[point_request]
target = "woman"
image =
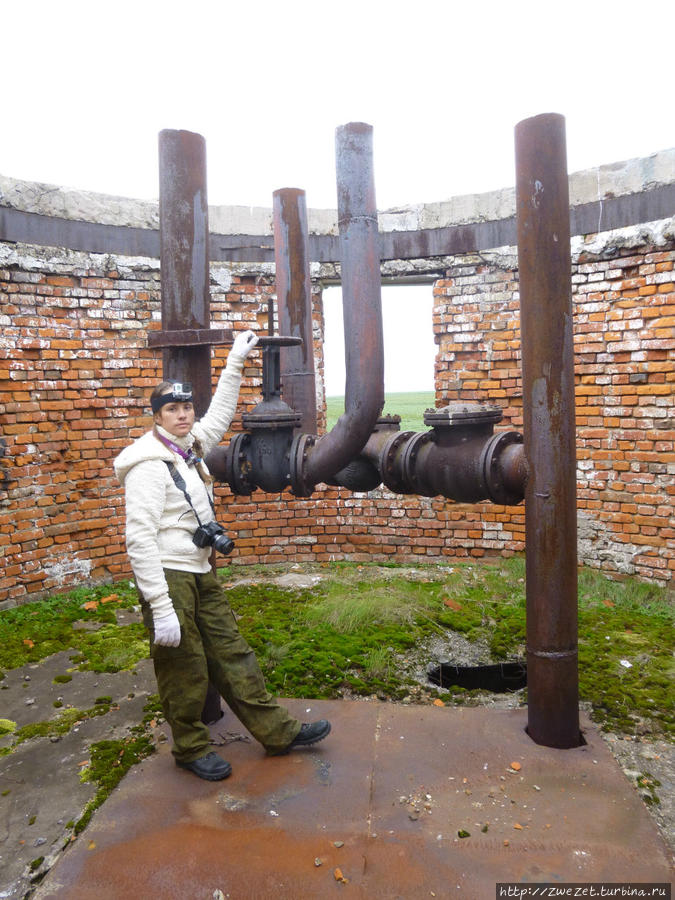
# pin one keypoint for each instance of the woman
(194, 635)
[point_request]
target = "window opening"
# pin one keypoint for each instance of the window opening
(409, 353)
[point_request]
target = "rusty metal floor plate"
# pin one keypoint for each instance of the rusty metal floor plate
(381, 803)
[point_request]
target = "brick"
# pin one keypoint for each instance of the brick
(96, 359)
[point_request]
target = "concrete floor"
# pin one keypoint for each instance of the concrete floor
(374, 811)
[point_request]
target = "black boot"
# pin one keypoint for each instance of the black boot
(211, 767)
(310, 734)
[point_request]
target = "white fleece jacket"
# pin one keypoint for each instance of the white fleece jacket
(159, 521)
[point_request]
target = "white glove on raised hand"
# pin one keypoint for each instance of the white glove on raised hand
(167, 630)
(244, 343)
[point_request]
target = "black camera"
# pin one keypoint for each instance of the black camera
(213, 535)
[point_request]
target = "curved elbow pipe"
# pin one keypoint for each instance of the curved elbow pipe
(319, 460)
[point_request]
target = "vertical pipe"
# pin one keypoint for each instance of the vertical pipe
(184, 267)
(542, 212)
(361, 304)
(294, 303)
(184, 257)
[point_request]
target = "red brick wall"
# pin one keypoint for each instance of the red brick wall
(624, 326)
(75, 372)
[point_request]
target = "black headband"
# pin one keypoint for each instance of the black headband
(179, 393)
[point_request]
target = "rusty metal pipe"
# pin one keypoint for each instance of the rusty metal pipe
(184, 258)
(362, 308)
(542, 214)
(184, 268)
(294, 303)
(459, 458)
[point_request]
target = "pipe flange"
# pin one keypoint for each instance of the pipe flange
(492, 471)
(462, 414)
(271, 414)
(238, 466)
(299, 452)
(409, 460)
(392, 475)
(388, 423)
(272, 422)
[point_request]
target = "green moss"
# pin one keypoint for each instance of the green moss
(62, 724)
(47, 626)
(36, 863)
(346, 634)
(626, 666)
(7, 726)
(110, 761)
(152, 708)
(32, 819)
(62, 679)
(342, 635)
(113, 648)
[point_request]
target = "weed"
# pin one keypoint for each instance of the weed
(378, 663)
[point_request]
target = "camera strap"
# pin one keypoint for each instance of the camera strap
(179, 481)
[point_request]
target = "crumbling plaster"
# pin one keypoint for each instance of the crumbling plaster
(591, 185)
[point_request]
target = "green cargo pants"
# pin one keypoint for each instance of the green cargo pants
(211, 647)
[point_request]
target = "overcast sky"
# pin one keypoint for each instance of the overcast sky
(87, 86)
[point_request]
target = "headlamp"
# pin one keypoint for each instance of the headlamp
(181, 392)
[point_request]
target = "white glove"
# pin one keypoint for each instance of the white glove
(167, 630)
(244, 343)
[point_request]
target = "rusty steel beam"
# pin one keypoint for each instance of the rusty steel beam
(294, 303)
(189, 337)
(184, 258)
(94, 237)
(361, 304)
(542, 211)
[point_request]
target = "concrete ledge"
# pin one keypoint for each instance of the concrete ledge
(613, 180)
